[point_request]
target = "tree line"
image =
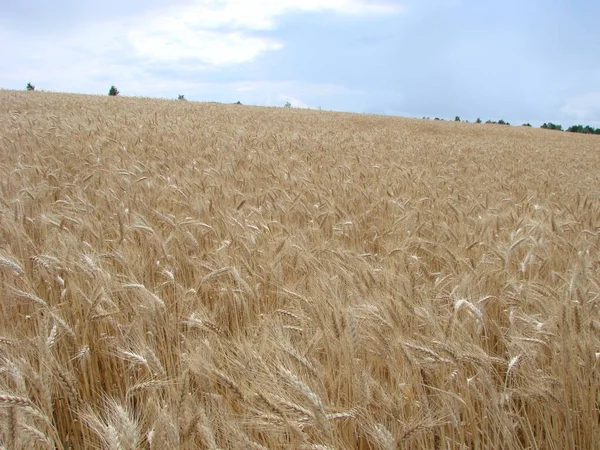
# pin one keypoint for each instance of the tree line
(587, 129)
(572, 129)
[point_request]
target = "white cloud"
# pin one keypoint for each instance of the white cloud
(584, 107)
(190, 36)
(223, 32)
(150, 53)
(297, 88)
(212, 48)
(90, 60)
(262, 14)
(295, 102)
(299, 94)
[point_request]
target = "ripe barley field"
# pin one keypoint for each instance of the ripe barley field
(207, 276)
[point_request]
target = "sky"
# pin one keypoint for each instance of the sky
(522, 61)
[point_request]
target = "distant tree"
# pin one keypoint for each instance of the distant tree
(238, 103)
(502, 122)
(437, 118)
(551, 126)
(478, 120)
(181, 97)
(30, 87)
(457, 119)
(489, 121)
(287, 105)
(526, 125)
(113, 92)
(585, 130)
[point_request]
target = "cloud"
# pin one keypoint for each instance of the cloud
(262, 14)
(583, 107)
(299, 94)
(189, 37)
(225, 32)
(213, 49)
(295, 102)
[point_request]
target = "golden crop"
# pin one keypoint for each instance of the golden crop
(187, 275)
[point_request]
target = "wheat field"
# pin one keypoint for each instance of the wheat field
(206, 276)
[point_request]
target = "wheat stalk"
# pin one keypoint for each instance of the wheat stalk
(9, 264)
(359, 281)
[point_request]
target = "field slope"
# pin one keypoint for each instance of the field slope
(187, 275)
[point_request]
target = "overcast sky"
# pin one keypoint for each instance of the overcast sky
(523, 61)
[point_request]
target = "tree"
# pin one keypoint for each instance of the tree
(181, 97)
(526, 125)
(575, 129)
(478, 120)
(588, 130)
(113, 92)
(585, 130)
(287, 105)
(457, 119)
(551, 126)
(30, 87)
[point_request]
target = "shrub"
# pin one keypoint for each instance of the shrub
(526, 125)
(113, 92)
(478, 120)
(30, 87)
(287, 105)
(457, 119)
(181, 97)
